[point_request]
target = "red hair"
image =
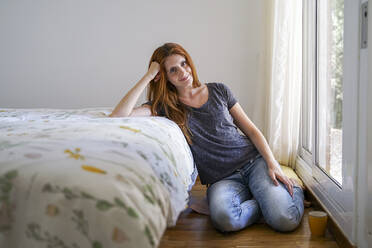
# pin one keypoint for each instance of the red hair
(163, 94)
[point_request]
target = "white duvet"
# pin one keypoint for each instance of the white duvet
(76, 178)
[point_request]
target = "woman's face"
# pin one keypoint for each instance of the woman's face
(178, 71)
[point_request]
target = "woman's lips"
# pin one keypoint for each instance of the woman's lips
(185, 78)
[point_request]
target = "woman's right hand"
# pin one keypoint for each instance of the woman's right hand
(154, 70)
(126, 106)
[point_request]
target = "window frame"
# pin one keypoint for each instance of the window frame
(339, 201)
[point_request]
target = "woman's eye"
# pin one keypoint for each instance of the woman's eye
(172, 70)
(183, 63)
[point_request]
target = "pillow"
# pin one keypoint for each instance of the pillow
(289, 172)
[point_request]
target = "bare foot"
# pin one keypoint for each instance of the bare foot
(307, 204)
(200, 205)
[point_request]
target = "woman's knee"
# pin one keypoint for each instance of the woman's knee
(235, 217)
(285, 220)
(230, 206)
(224, 220)
(281, 211)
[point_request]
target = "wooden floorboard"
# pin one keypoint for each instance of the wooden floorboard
(195, 230)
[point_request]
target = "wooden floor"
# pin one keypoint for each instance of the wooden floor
(196, 230)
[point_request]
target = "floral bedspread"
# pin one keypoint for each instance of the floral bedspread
(76, 178)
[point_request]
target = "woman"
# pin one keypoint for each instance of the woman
(244, 177)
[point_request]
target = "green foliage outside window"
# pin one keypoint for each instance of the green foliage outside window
(337, 22)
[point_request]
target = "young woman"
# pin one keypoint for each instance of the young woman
(245, 181)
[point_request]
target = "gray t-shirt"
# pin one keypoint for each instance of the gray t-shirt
(217, 146)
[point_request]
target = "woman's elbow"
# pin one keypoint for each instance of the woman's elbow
(113, 114)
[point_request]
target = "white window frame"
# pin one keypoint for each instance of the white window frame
(338, 201)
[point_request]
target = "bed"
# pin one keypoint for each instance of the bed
(76, 178)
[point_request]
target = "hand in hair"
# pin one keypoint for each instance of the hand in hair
(153, 71)
(125, 107)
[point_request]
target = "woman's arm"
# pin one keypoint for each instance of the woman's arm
(255, 135)
(126, 105)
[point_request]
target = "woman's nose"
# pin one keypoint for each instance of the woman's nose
(182, 72)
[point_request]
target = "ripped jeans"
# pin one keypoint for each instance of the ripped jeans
(240, 200)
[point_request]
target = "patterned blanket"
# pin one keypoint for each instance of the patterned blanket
(76, 178)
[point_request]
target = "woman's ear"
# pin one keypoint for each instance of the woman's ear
(157, 77)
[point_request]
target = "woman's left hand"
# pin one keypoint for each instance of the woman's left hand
(276, 173)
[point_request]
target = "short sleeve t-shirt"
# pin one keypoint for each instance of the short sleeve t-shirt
(217, 146)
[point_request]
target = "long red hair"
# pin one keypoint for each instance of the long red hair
(163, 94)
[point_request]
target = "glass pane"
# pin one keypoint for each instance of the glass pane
(330, 71)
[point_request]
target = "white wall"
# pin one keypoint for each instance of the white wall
(88, 53)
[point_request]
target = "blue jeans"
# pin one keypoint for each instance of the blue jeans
(238, 200)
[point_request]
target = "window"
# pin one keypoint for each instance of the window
(323, 87)
(326, 160)
(330, 27)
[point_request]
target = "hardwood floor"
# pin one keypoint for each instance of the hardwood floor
(196, 230)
